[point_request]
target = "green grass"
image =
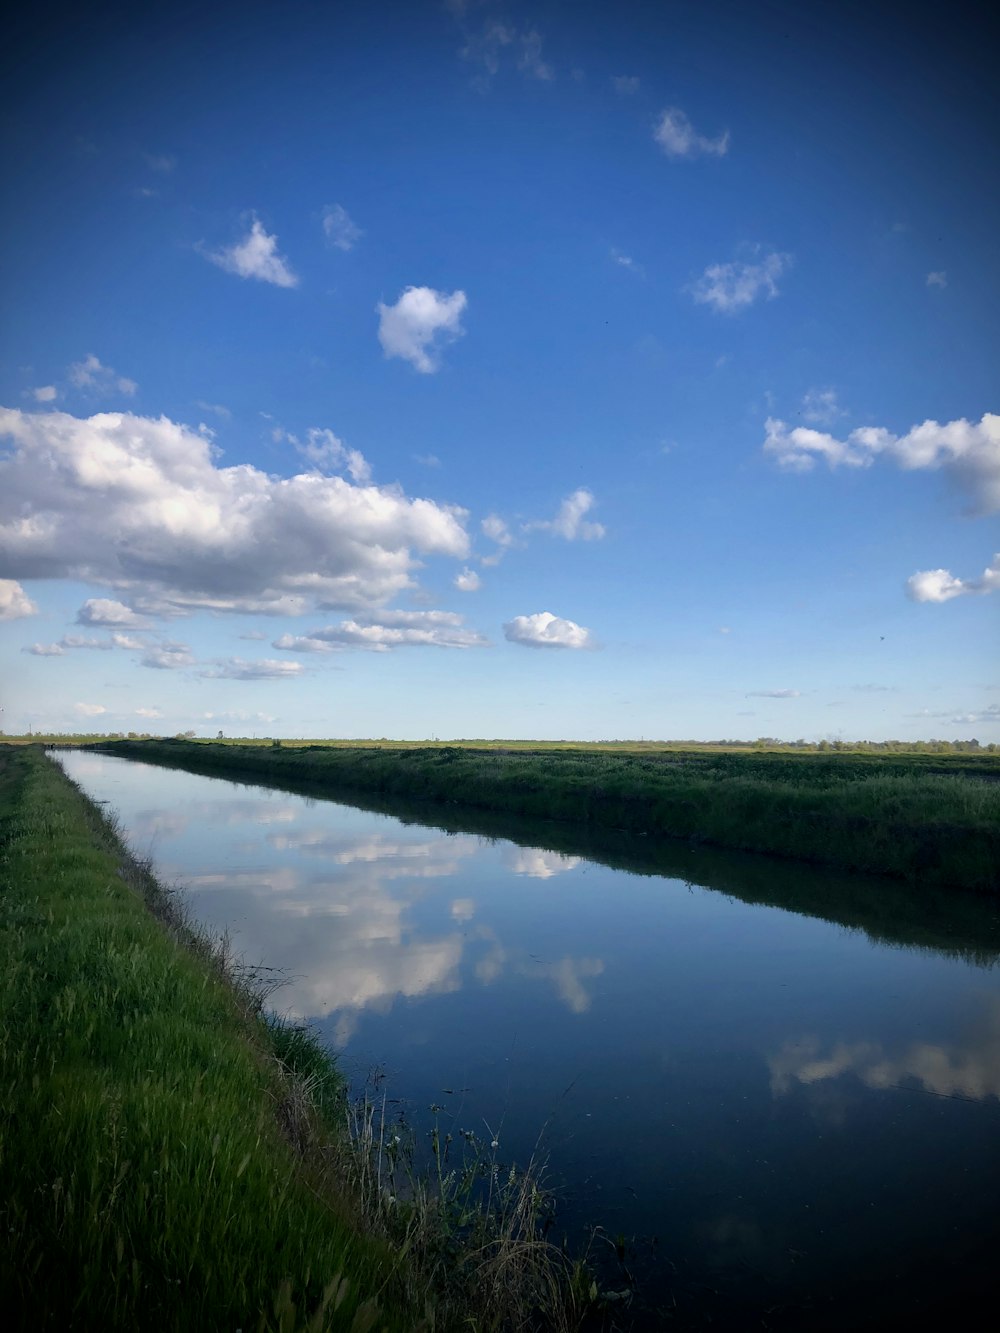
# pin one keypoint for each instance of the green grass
(931, 819)
(149, 1176)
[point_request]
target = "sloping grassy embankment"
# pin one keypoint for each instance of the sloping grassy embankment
(888, 816)
(149, 1176)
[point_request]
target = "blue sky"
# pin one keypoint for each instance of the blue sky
(479, 369)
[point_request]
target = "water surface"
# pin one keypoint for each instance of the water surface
(794, 1122)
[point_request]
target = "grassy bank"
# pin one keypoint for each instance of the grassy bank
(171, 1159)
(921, 818)
(148, 1177)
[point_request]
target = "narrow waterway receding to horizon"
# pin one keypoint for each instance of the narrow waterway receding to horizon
(792, 1123)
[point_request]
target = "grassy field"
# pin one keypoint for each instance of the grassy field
(171, 1158)
(929, 818)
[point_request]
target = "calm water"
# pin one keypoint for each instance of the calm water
(797, 1122)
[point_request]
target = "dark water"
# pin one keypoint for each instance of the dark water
(793, 1121)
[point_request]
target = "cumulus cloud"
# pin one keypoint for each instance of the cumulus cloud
(939, 279)
(256, 256)
(265, 668)
(191, 534)
(90, 710)
(467, 580)
(167, 656)
(339, 228)
(732, 287)
(966, 451)
(569, 521)
(679, 139)
(387, 630)
(45, 393)
(148, 712)
(940, 585)
(45, 650)
(774, 694)
(417, 325)
(14, 601)
(544, 630)
(91, 375)
(108, 613)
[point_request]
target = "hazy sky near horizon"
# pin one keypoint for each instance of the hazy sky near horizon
(482, 369)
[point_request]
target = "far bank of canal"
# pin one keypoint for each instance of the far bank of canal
(789, 1120)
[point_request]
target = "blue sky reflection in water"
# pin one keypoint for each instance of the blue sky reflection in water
(794, 1111)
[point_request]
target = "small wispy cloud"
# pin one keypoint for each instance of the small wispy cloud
(774, 694)
(339, 228)
(569, 522)
(496, 42)
(939, 279)
(45, 393)
(627, 262)
(91, 375)
(625, 84)
(679, 139)
(167, 657)
(255, 256)
(265, 668)
(164, 163)
(45, 650)
(217, 409)
(732, 287)
(89, 710)
(820, 406)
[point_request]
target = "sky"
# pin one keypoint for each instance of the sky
(473, 369)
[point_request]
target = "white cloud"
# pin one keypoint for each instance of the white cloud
(626, 261)
(467, 580)
(330, 454)
(117, 640)
(569, 521)
(732, 287)
(427, 460)
(418, 323)
(544, 630)
(678, 137)
(167, 656)
(339, 228)
(110, 614)
(219, 409)
(45, 650)
(148, 712)
(626, 84)
(90, 710)
(967, 452)
(14, 601)
(256, 256)
(488, 47)
(161, 162)
(46, 393)
(820, 406)
(387, 630)
(494, 527)
(265, 668)
(92, 375)
(530, 60)
(190, 534)
(774, 694)
(939, 279)
(940, 585)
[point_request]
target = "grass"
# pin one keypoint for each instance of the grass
(931, 819)
(168, 1157)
